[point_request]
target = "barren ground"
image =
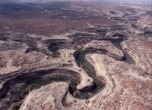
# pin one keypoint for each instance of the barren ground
(75, 56)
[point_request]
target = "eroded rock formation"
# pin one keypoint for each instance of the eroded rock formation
(95, 67)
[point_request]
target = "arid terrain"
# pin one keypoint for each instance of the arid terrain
(75, 56)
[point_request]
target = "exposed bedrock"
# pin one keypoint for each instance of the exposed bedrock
(17, 88)
(75, 55)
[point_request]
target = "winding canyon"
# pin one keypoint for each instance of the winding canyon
(78, 56)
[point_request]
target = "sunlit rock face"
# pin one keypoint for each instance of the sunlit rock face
(75, 56)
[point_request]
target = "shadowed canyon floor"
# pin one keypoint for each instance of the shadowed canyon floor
(75, 56)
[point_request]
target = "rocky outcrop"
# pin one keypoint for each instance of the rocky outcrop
(97, 67)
